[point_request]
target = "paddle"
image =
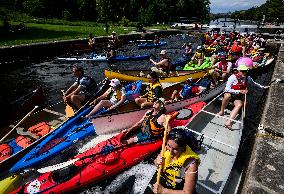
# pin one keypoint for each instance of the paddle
(27, 115)
(169, 117)
(68, 109)
(104, 151)
(245, 102)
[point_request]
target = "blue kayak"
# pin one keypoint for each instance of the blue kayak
(67, 134)
(103, 58)
(151, 45)
(180, 62)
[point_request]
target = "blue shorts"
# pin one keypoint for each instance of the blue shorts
(143, 137)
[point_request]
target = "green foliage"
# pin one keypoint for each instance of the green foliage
(271, 10)
(124, 21)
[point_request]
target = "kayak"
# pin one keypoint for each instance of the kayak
(68, 133)
(151, 45)
(103, 58)
(8, 184)
(133, 75)
(106, 159)
(190, 66)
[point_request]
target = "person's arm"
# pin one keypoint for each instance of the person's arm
(229, 85)
(162, 62)
(250, 80)
(136, 125)
(229, 68)
(103, 96)
(121, 101)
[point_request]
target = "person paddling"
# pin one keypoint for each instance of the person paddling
(164, 65)
(179, 166)
(236, 88)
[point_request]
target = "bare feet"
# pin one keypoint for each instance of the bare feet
(228, 126)
(220, 113)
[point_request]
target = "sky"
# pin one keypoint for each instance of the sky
(223, 6)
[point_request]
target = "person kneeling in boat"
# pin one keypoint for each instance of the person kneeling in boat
(179, 165)
(151, 125)
(79, 91)
(116, 94)
(188, 90)
(155, 91)
(235, 89)
(198, 56)
(162, 67)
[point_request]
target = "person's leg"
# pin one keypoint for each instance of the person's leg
(238, 105)
(130, 140)
(140, 101)
(225, 101)
(224, 76)
(77, 100)
(100, 105)
(174, 95)
(147, 104)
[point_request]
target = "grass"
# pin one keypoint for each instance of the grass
(40, 32)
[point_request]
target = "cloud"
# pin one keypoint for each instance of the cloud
(219, 6)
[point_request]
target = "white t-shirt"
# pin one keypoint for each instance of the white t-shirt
(113, 98)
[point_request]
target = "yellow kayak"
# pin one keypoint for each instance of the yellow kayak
(9, 184)
(134, 75)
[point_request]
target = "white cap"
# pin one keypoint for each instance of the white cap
(163, 52)
(199, 47)
(113, 32)
(114, 82)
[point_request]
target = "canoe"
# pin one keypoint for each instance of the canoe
(103, 58)
(76, 129)
(20, 107)
(9, 184)
(151, 45)
(219, 149)
(133, 75)
(193, 67)
(106, 159)
(52, 117)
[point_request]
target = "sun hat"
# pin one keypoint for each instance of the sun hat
(243, 68)
(114, 82)
(163, 52)
(113, 32)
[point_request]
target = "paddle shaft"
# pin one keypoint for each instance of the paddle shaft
(164, 145)
(27, 115)
(245, 102)
(69, 110)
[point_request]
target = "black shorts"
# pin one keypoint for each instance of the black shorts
(237, 97)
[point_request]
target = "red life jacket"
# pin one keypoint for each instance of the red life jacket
(167, 68)
(242, 83)
(222, 66)
(236, 48)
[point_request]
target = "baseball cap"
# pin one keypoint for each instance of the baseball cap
(163, 52)
(114, 82)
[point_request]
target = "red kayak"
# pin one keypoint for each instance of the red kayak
(106, 159)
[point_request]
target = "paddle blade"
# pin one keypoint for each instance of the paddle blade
(69, 111)
(57, 166)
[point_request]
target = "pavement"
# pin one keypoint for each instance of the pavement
(265, 173)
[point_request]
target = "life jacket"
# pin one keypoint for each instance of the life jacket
(215, 36)
(257, 58)
(222, 66)
(151, 92)
(199, 55)
(222, 37)
(115, 94)
(23, 141)
(150, 125)
(186, 91)
(237, 49)
(5, 151)
(171, 173)
(242, 83)
(195, 89)
(88, 82)
(40, 129)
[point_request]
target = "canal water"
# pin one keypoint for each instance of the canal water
(53, 76)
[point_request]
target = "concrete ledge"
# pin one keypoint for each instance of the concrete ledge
(265, 171)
